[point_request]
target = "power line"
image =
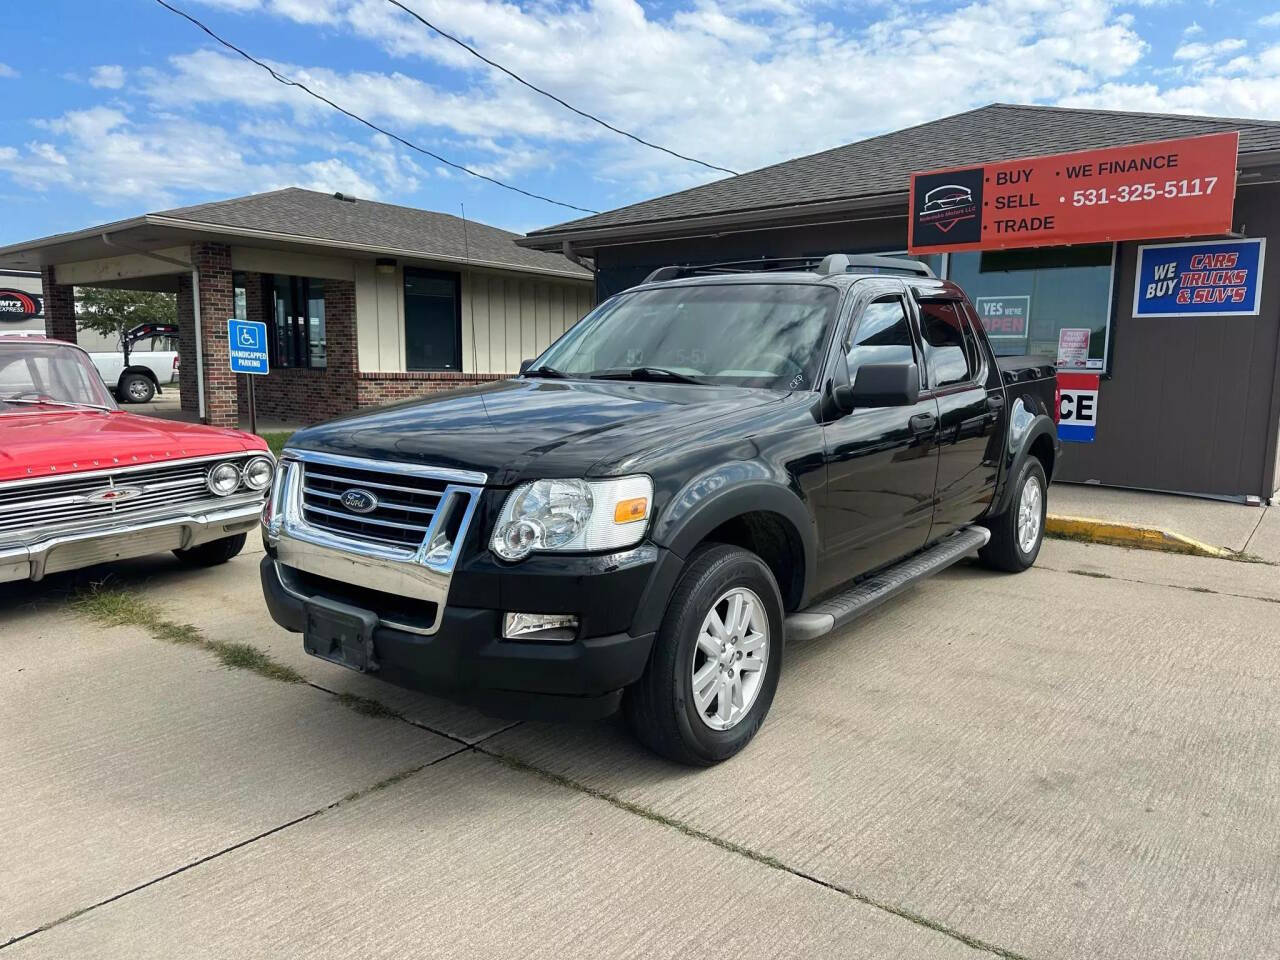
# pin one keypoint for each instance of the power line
(568, 106)
(280, 78)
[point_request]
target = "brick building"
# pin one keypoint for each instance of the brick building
(365, 302)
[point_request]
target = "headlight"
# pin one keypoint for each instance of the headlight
(223, 479)
(573, 515)
(257, 473)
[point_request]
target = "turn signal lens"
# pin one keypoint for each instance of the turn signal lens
(629, 511)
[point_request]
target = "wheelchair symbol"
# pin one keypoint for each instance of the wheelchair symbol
(248, 337)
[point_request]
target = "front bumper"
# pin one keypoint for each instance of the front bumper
(466, 658)
(73, 549)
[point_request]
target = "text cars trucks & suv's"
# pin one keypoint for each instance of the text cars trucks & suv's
(706, 465)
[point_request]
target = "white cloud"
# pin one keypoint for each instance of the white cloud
(1192, 29)
(1270, 20)
(102, 153)
(7, 71)
(1202, 51)
(109, 75)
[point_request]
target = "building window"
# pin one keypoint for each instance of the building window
(432, 320)
(1024, 298)
(295, 316)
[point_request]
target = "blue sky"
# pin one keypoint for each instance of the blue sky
(118, 107)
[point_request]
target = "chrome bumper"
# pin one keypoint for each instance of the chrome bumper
(73, 549)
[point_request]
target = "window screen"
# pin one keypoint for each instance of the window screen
(951, 351)
(883, 335)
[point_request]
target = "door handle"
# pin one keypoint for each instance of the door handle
(923, 423)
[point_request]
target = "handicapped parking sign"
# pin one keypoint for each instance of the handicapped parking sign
(247, 345)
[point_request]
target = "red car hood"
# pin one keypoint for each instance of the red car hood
(68, 441)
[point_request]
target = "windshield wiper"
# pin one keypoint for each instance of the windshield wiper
(652, 374)
(52, 403)
(551, 373)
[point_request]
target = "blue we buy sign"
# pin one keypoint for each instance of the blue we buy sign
(1204, 278)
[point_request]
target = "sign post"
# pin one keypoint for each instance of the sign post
(247, 348)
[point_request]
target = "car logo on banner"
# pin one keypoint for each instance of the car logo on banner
(359, 501)
(112, 495)
(945, 207)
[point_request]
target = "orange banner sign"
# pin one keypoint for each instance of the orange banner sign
(1146, 191)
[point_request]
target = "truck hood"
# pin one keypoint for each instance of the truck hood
(515, 429)
(67, 441)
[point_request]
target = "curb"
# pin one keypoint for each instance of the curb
(1129, 535)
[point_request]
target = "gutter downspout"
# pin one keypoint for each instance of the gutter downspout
(195, 307)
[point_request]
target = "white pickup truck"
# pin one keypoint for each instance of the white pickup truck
(148, 369)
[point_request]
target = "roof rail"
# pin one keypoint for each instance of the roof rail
(846, 263)
(829, 265)
(758, 265)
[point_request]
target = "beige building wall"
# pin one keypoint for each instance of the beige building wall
(505, 318)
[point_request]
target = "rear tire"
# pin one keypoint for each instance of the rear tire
(135, 388)
(212, 553)
(728, 593)
(1016, 534)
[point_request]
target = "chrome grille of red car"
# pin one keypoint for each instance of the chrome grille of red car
(52, 503)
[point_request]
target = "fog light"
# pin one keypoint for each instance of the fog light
(558, 627)
(223, 479)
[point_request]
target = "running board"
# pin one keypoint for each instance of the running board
(837, 611)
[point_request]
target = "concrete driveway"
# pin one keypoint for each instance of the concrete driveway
(1081, 761)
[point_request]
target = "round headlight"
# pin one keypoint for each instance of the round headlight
(223, 479)
(541, 515)
(257, 473)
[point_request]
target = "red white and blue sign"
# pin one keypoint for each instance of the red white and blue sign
(1077, 405)
(1202, 278)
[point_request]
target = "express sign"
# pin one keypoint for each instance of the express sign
(17, 305)
(1171, 188)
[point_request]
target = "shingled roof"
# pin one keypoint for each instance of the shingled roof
(879, 167)
(308, 219)
(322, 216)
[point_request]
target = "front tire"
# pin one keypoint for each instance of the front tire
(135, 388)
(212, 553)
(715, 663)
(1016, 535)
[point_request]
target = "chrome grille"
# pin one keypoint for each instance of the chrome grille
(405, 503)
(78, 500)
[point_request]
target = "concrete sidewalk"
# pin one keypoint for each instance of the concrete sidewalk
(1165, 521)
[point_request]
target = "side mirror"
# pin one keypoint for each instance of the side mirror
(526, 364)
(881, 385)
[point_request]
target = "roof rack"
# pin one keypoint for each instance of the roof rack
(827, 266)
(854, 263)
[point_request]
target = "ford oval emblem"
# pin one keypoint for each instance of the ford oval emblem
(359, 501)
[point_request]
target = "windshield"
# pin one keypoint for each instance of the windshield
(743, 334)
(38, 375)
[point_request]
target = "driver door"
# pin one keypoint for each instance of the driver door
(882, 462)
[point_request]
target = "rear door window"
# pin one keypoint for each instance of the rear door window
(950, 349)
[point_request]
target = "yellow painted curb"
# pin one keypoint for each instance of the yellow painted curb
(1128, 535)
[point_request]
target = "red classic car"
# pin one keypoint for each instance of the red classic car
(82, 482)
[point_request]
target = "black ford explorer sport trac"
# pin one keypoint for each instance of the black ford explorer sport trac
(705, 467)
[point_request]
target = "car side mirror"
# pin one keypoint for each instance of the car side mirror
(526, 364)
(880, 385)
